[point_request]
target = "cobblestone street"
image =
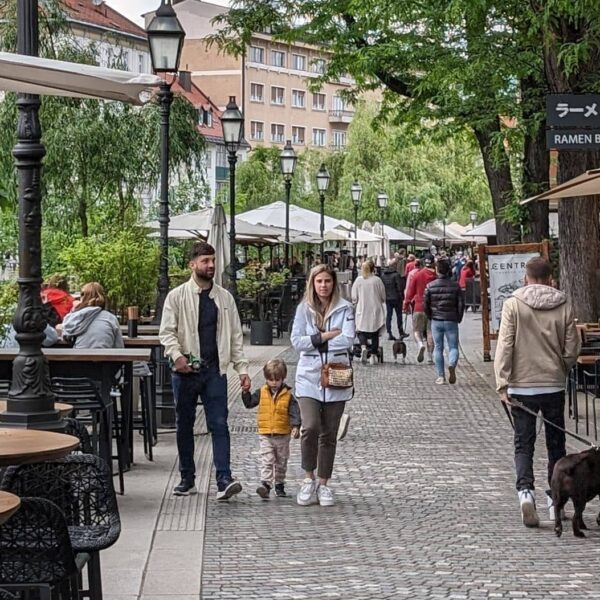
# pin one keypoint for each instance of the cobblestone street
(426, 506)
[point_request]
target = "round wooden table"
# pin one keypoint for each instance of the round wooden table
(19, 446)
(9, 504)
(64, 409)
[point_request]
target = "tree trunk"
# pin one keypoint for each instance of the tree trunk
(497, 170)
(579, 232)
(82, 214)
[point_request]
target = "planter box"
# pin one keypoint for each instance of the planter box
(261, 333)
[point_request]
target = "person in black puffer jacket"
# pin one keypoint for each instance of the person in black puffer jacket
(394, 297)
(444, 307)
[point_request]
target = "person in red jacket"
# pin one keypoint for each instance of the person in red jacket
(55, 294)
(467, 272)
(414, 299)
(411, 263)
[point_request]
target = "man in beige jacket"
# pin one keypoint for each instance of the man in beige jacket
(537, 345)
(202, 336)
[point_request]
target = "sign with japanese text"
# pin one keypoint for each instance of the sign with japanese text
(573, 110)
(573, 139)
(506, 272)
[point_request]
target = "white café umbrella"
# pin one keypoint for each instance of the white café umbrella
(217, 238)
(44, 76)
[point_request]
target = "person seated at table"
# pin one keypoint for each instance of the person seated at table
(55, 293)
(10, 339)
(90, 325)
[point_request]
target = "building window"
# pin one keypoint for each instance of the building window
(277, 95)
(221, 159)
(205, 117)
(318, 66)
(257, 92)
(141, 63)
(298, 98)
(339, 104)
(298, 135)
(319, 137)
(257, 130)
(318, 101)
(257, 54)
(277, 58)
(339, 139)
(277, 132)
(298, 62)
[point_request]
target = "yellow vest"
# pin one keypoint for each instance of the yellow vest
(273, 413)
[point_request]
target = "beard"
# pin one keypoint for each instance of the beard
(204, 274)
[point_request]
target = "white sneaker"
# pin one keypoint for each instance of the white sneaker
(528, 512)
(421, 353)
(372, 360)
(551, 512)
(325, 496)
(364, 355)
(440, 381)
(308, 492)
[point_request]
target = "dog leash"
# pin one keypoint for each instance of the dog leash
(517, 404)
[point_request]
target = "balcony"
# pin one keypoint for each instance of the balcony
(341, 116)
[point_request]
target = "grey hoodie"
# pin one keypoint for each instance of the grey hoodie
(92, 327)
(538, 341)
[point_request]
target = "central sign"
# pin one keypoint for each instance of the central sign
(573, 139)
(573, 110)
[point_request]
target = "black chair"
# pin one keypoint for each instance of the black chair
(81, 486)
(83, 395)
(144, 421)
(36, 553)
(79, 430)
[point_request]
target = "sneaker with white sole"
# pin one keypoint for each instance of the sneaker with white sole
(372, 360)
(440, 381)
(451, 375)
(325, 496)
(528, 511)
(364, 356)
(307, 494)
(227, 489)
(421, 353)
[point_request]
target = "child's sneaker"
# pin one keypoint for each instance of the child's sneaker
(263, 490)
(280, 490)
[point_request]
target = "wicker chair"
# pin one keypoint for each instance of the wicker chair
(77, 429)
(36, 553)
(81, 486)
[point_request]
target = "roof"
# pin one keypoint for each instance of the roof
(103, 16)
(198, 99)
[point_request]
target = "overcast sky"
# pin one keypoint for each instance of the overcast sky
(132, 9)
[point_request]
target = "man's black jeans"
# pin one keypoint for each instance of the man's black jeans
(552, 407)
(393, 305)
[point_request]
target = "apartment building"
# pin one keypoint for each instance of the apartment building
(270, 83)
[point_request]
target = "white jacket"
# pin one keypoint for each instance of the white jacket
(308, 373)
(368, 297)
(179, 326)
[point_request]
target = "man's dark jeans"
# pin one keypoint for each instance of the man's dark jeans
(393, 305)
(212, 389)
(552, 407)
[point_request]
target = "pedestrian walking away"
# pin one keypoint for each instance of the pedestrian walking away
(202, 335)
(444, 308)
(323, 332)
(278, 421)
(537, 345)
(368, 297)
(394, 298)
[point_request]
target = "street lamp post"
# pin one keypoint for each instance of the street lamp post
(288, 161)
(232, 121)
(356, 193)
(30, 398)
(473, 217)
(414, 209)
(322, 185)
(165, 38)
(382, 201)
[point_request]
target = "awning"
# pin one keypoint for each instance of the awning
(586, 184)
(485, 229)
(33, 75)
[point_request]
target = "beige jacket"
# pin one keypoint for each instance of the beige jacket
(538, 342)
(368, 297)
(179, 326)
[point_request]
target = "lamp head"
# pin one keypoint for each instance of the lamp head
(382, 200)
(414, 207)
(165, 38)
(356, 193)
(232, 121)
(323, 179)
(288, 160)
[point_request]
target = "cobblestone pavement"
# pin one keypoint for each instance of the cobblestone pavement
(426, 507)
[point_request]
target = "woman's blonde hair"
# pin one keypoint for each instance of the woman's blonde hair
(321, 311)
(92, 294)
(367, 269)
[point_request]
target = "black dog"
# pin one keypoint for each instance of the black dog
(399, 349)
(575, 476)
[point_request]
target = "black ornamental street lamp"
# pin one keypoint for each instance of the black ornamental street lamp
(382, 201)
(356, 193)
(232, 121)
(473, 217)
(165, 38)
(288, 159)
(30, 398)
(414, 209)
(323, 178)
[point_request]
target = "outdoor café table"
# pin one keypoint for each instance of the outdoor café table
(20, 446)
(64, 409)
(577, 381)
(98, 364)
(9, 503)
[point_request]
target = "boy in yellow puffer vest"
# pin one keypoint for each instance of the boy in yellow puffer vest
(278, 421)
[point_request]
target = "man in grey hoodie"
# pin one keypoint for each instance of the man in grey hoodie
(537, 345)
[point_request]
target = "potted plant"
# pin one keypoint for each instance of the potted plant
(254, 284)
